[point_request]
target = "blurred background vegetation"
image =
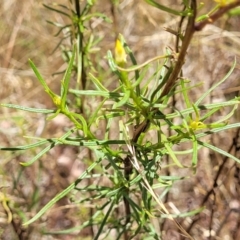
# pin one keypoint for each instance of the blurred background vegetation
(25, 33)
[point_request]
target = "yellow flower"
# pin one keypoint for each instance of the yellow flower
(196, 125)
(223, 3)
(57, 100)
(120, 54)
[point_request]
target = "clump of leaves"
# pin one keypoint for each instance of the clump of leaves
(139, 107)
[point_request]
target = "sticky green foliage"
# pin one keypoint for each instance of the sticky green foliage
(127, 127)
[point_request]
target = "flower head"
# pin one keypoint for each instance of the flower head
(120, 54)
(223, 3)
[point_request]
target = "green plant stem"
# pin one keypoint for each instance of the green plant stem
(181, 57)
(134, 68)
(178, 66)
(133, 95)
(79, 126)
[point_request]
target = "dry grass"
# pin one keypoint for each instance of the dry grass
(25, 34)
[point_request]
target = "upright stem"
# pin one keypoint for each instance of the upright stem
(181, 57)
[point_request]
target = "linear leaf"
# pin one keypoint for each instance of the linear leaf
(66, 79)
(164, 8)
(62, 194)
(19, 148)
(216, 149)
(28, 109)
(56, 10)
(35, 158)
(39, 76)
(217, 84)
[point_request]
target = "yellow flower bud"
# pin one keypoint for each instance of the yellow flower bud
(223, 3)
(120, 54)
(196, 125)
(57, 100)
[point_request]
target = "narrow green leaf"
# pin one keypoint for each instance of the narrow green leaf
(202, 107)
(20, 148)
(220, 129)
(35, 158)
(164, 193)
(56, 10)
(172, 155)
(111, 62)
(185, 95)
(97, 14)
(161, 82)
(228, 116)
(140, 80)
(164, 8)
(67, 27)
(93, 118)
(77, 228)
(103, 222)
(111, 115)
(216, 149)
(39, 76)
(97, 93)
(57, 24)
(184, 215)
(170, 151)
(97, 83)
(123, 100)
(209, 114)
(66, 79)
(80, 142)
(171, 178)
(50, 204)
(217, 84)
(195, 154)
(83, 122)
(54, 142)
(62, 194)
(234, 12)
(28, 109)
